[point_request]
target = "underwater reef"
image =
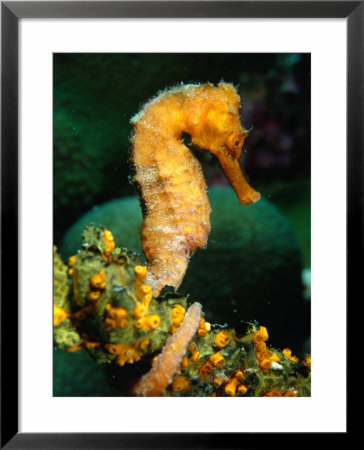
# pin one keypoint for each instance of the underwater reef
(127, 313)
(252, 261)
(102, 304)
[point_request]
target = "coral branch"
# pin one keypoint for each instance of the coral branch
(154, 383)
(102, 304)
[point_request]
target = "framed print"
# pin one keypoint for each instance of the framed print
(184, 180)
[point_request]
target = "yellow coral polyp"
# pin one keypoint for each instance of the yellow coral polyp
(288, 354)
(230, 387)
(108, 237)
(124, 353)
(94, 295)
(98, 280)
(139, 311)
(114, 349)
(177, 316)
(144, 290)
(71, 260)
(147, 298)
(203, 327)
(307, 361)
(117, 317)
(116, 312)
(76, 348)
(140, 272)
(195, 354)
(143, 344)
(181, 384)
(265, 364)
(128, 355)
(222, 338)
(242, 389)
(89, 344)
(275, 357)
(272, 393)
(261, 334)
(148, 323)
(205, 368)
(109, 241)
(184, 362)
(59, 315)
(239, 375)
(264, 358)
(116, 323)
(217, 359)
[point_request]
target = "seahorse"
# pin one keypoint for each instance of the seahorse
(172, 188)
(154, 382)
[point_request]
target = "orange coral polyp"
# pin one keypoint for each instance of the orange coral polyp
(230, 387)
(217, 359)
(272, 393)
(177, 314)
(261, 334)
(288, 354)
(222, 338)
(203, 327)
(307, 361)
(145, 289)
(140, 272)
(139, 311)
(264, 358)
(184, 362)
(148, 323)
(109, 241)
(71, 260)
(98, 280)
(205, 368)
(181, 384)
(242, 389)
(116, 312)
(117, 317)
(59, 315)
(94, 295)
(168, 173)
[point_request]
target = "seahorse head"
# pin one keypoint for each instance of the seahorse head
(214, 125)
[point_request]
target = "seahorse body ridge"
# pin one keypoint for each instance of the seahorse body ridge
(172, 187)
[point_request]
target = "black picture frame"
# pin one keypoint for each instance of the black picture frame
(11, 12)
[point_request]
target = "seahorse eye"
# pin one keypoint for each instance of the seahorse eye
(234, 143)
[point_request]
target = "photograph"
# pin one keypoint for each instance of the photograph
(182, 224)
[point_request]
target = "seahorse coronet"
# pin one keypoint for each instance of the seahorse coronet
(171, 184)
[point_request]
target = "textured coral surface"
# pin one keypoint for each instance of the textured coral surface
(252, 261)
(103, 305)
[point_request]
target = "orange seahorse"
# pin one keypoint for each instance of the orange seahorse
(172, 188)
(154, 382)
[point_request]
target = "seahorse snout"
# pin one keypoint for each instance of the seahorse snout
(231, 167)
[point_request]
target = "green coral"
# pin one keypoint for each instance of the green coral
(121, 344)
